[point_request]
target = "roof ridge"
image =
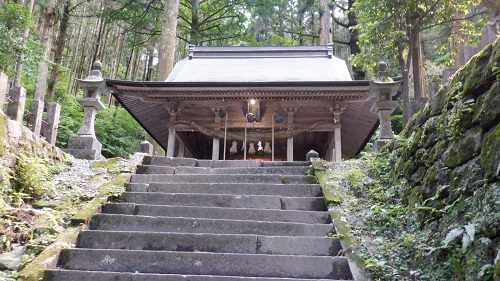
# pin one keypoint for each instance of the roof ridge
(260, 51)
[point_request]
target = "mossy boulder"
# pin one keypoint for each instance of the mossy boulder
(487, 111)
(476, 74)
(490, 154)
(434, 131)
(466, 178)
(463, 149)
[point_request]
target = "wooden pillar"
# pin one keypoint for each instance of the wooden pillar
(182, 150)
(216, 141)
(289, 141)
(171, 135)
(338, 144)
(337, 110)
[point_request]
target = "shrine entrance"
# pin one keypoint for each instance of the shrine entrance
(236, 102)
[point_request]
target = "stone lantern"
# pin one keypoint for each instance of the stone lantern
(384, 88)
(84, 145)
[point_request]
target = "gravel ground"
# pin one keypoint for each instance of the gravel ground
(79, 177)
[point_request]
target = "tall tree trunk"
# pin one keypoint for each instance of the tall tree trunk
(167, 40)
(74, 62)
(58, 53)
(99, 45)
(406, 81)
(46, 40)
(416, 57)
(20, 58)
(325, 20)
(194, 34)
(358, 72)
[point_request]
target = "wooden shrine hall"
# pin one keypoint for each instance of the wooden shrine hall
(269, 103)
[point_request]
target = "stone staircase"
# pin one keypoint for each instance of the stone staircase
(191, 220)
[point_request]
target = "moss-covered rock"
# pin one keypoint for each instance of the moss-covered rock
(465, 179)
(490, 154)
(487, 111)
(434, 131)
(463, 149)
(477, 77)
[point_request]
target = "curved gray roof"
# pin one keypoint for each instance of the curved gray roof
(260, 64)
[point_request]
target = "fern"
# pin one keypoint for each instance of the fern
(470, 229)
(454, 233)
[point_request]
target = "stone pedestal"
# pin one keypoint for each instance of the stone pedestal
(36, 116)
(49, 127)
(84, 145)
(146, 147)
(16, 106)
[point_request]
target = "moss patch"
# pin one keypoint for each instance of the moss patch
(490, 154)
(48, 258)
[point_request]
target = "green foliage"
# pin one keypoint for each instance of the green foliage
(31, 179)
(118, 132)
(14, 19)
(70, 119)
(212, 22)
(387, 25)
(391, 238)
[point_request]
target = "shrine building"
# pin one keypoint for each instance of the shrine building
(268, 103)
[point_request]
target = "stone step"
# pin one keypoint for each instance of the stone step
(275, 170)
(67, 275)
(308, 267)
(285, 163)
(154, 169)
(217, 213)
(116, 222)
(218, 243)
(226, 200)
(168, 161)
(290, 190)
(229, 163)
(178, 162)
(189, 170)
(222, 178)
(205, 178)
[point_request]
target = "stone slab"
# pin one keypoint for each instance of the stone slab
(307, 190)
(204, 200)
(137, 187)
(205, 242)
(206, 263)
(228, 163)
(65, 275)
(197, 225)
(284, 163)
(206, 178)
(11, 260)
(88, 154)
(294, 179)
(192, 170)
(217, 213)
(226, 200)
(154, 169)
(169, 161)
(277, 170)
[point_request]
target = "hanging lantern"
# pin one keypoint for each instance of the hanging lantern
(234, 147)
(251, 148)
(278, 117)
(267, 148)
